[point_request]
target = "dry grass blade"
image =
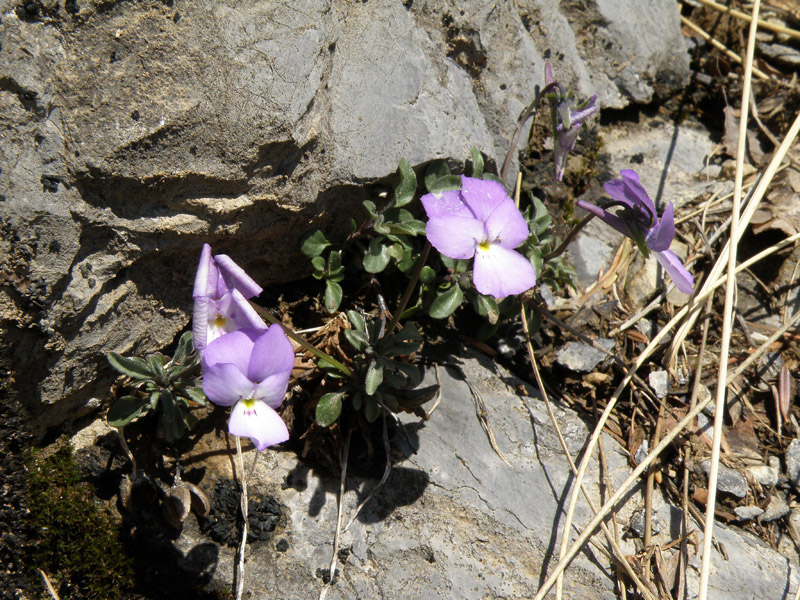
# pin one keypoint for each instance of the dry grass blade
(483, 417)
(619, 555)
(340, 510)
(386, 471)
(727, 320)
(50, 588)
(716, 276)
(745, 17)
(720, 46)
(623, 489)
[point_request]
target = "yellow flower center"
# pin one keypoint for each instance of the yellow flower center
(248, 402)
(484, 245)
(220, 321)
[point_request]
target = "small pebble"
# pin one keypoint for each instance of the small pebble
(659, 381)
(747, 513)
(728, 480)
(776, 509)
(582, 358)
(766, 476)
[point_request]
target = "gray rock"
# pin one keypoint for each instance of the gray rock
(455, 521)
(581, 357)
(133, 133)
(728, 480)
(776, 509)
(763, 474)
(748, 513)
(659, 381)
(783, 54)
(792, 458)
(638, 522)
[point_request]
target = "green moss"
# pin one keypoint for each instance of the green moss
(78, 543)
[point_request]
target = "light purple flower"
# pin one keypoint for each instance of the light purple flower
(250, 370)
(566, 121)
(221, 290)
(481, 220)
(638, 220)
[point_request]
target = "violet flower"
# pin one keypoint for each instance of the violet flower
(638, 220)
(221, 290)
(481, 220)
(566, 121)
(250, 370)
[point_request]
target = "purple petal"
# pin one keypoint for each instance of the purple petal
(482, 195)
(548, 74)
(677, 272)
(202, 287)
(243, 314)
(258, 422)
(455, 237)
(273, 389)
(224, 384)
(200, 316)
(272, 354)
(446, 204)
(234, 348)
(660, 237)
(589, 108)
(607, 217)
(507, 226)
(636, 193)
(565, 141)
(235, 277)
(501, 272)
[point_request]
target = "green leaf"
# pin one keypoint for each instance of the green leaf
(477, 163)
(157, 362)
(485, 306)
(446, 303)
(358, 339)
(328, 409)
(335, 268)
(427, 274)
(356, 400)
(373, 379)
(314, 243)
(357, 320)
(535, 257)
(134, 367)
(491, 177)
(446, 184)
(196, 394)
(183, 349)
(333, 296)
(404, 192)
(125, 410)
(318, 264)
(372, 410)
(412, 372)
(369, 206)
(172, 423)
(435, 171)
(376, 257)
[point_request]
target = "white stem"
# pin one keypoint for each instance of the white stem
(727, 321)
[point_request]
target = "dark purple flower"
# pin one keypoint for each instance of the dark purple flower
(221, 290)
(481, 220)
(638, 220)
(566, 121)
(249, 370)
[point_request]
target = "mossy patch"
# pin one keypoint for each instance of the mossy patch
(78, 543)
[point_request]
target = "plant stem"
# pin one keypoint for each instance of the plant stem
(243, 543)
(411, 285)
(570, 236)
(524, 116)
(264, 313)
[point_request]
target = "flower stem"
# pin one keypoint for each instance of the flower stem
(243, 543)
(302, 341)
(411, 285)
(526, 114)
(570, 236)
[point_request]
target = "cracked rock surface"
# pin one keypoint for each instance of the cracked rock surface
(455, 521)
(134, 132)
